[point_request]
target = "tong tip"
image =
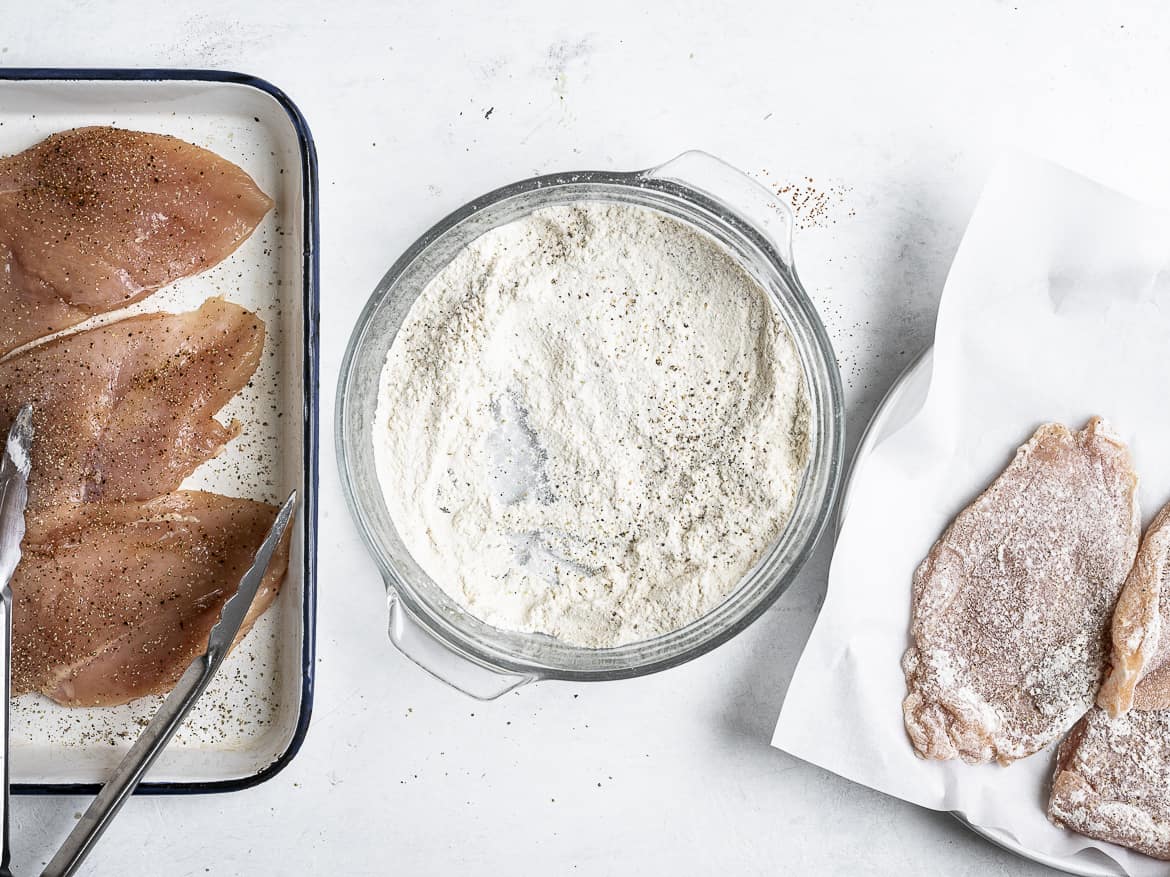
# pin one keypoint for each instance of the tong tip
(20, 437)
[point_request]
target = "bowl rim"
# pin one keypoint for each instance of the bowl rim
(499, 661)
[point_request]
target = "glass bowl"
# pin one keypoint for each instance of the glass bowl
(425, 623)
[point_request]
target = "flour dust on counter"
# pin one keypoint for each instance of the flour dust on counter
(591, 425)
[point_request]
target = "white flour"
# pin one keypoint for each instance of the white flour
(591, 425)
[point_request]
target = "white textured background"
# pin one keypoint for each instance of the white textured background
(895, 111)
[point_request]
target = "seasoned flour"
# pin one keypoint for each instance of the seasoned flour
(591, 425)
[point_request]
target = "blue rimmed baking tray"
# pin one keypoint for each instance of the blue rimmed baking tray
(251, 724)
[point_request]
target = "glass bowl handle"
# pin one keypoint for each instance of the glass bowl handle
(460, 671)
(725, 184)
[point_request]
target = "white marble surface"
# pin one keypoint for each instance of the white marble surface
(894, 110)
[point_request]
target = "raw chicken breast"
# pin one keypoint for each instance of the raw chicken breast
(126, 411)
(112, 601)
(95, 218)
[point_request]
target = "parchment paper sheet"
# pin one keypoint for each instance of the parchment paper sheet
(1056, 308)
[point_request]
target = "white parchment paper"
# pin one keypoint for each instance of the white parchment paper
(1057, 308)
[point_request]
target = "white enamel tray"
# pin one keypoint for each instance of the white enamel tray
(251, 721)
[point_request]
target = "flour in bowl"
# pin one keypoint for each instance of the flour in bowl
(591, 425)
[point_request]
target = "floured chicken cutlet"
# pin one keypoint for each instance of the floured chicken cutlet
(126, 411)
(1139, 671)
(112, 601)
(1011, 606)
(95, 218)
(1112, 779)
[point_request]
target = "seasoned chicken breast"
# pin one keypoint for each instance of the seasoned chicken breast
(112, 601)
(93, 219)
(126, 411)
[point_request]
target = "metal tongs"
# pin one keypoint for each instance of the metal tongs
(14, 466)
(170, 715)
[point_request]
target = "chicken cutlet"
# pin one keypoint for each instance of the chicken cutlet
(126, 410)
(93, 219)
(112, 601)
(1011, 607)
(1112, 779)
(1138, 672)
